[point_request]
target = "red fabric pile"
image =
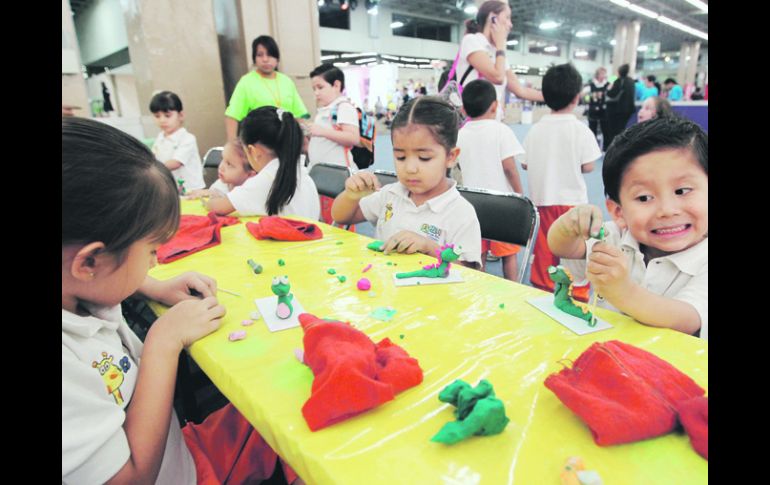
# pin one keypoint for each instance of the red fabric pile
(274, 227)
(352, 373)
(625, 394)
(195, 233)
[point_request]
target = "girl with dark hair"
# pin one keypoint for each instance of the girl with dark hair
(423, 210)
(264, 86)
(118, 422)
(273, 142)
(482, 53)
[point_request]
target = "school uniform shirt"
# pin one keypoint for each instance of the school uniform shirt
(250, 199)
(182, 146)
(446, 219)
(484, 144)
(473, 43)
(555, 149)
(324, 150)
(219, 186)
(100, 356)
(682, 276)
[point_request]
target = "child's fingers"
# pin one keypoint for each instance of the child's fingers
(596, 221)
(604, 248)
(203, 287)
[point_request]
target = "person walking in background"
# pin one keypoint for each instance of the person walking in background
(107, 104)
(597, 102)
(673, 89)
(620, 104)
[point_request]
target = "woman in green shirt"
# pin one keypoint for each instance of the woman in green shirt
(264, 86)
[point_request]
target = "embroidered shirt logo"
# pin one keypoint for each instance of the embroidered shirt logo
(431, 231)
(388, 211)
(112, 375)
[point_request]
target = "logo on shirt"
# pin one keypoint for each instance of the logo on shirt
(431, 231)
(112, 375)
(388, 211)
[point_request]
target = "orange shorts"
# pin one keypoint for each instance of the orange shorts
(499, 249)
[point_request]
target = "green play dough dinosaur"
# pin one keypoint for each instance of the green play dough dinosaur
(478, 412)
(281, 287)
(446, 254)
(376, 245)
(562, 292)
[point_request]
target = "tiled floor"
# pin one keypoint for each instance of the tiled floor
(383, 157)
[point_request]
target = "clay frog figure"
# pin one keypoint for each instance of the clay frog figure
(281, 288)
(562, 295)
(446, 254)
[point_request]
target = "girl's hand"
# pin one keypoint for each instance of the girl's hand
(584, 221)
(607, 270)
(409, 242)
(361, 184)
(499, 33)
(188, 321)
(170, 292)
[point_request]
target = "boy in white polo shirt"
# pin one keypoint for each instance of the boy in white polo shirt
(653, 263)
(423, 210)
(487, 151)
(559, 149)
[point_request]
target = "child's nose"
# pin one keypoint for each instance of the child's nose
(668, 206)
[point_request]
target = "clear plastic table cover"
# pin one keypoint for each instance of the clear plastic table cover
(456, 331)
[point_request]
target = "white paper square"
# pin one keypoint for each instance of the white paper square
(267, 307)
(454, 277)
(577, 325)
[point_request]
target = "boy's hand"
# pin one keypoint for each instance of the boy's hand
(361, 184)
(409, 242)
(189, 320)
(197, 194)
(607, 270)
(584, 221)
(186, 286)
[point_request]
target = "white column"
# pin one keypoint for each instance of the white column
(632, 42)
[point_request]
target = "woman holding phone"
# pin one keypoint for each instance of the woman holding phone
(482, 53)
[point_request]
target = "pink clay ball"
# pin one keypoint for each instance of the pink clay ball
(364, 284)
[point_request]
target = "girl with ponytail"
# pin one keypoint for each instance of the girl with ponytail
(272, 139)
(482, 53)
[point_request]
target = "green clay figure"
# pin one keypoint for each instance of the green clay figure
(376, 245)
(446, 254)
(562, 295)
(281, 288)
(256, 267)
(182, 190)
(478, 412)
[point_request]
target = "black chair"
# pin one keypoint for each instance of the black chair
(211, 161)
(385, 177)
(506, 217)
(330, 180)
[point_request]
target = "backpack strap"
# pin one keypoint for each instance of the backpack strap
(336, 126)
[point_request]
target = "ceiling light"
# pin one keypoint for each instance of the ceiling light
(397, 24)
(548, 25)
(698, 4)
(471, 9)
(393, 58)
(643, 11)
(613, 42)
(326, 58)
(321, 3)
(366, 59)
(641, 48)
(584, 33)
(581, 53)
(512, 42)
(622, 3)
(373, 11)
(551, 48)
(683, 27)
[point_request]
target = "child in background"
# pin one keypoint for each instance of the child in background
(233, 171)
(174, 146)
(273, 142)
(559, 149)
(653, 263)
(654, 107)
(118, 424)
(487, 151)
(423, 210)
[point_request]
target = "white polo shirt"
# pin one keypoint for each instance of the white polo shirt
(682, 276)
(446, 219)
(94, 443)
(484, 144)
(250, 199)
(182, 146)
(473, 43)
(321, 149)
(219, 186)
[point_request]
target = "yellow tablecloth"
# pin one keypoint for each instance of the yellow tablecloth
(456, 331)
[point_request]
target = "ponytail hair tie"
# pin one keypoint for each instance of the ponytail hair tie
(279, 112)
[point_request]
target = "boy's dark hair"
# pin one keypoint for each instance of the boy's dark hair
(282, 135)
(330, 74)
(268, 43)
(662, 107)
(113, 189)
(165, 101)
(438, 116)
(642, 138)
(478, 96)
(560, 86)
(623, 70)
(670, 80)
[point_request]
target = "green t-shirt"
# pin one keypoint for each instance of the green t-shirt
(253, 91)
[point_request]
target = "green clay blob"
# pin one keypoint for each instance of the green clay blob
(376, 246)
(446, 254)
(331, 271)
(478, 412)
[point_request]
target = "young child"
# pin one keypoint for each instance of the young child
(174, 146)
(423, 210)
(654, 107)
(487, 151)
(118, 424)
(653, 263)
(559, 149)
(234, 170)
(273, 141)
(330, 141)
